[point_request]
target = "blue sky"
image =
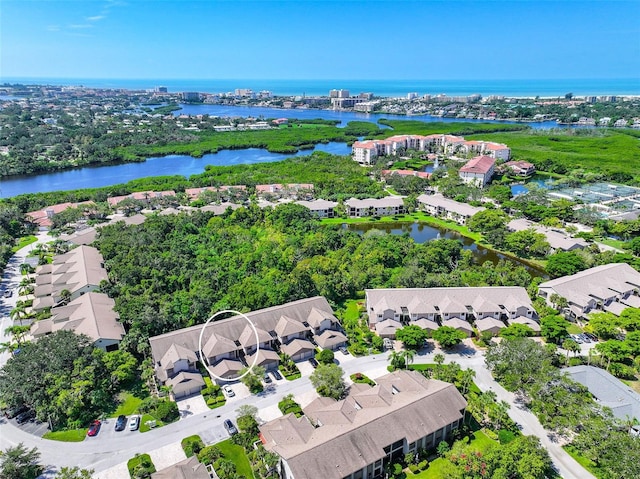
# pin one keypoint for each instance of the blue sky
(402, 40)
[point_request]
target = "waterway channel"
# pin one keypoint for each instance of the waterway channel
(98, 176)
(421, 233)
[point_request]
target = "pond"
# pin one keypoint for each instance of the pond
(421, 233)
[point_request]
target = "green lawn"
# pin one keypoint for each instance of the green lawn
(72, 435)
(438, 467)
(149, 417)
(613, 243)
(24, 241)
(588, 464)
(128, 406)
(573, 329)
(236, 454)
(134, 461)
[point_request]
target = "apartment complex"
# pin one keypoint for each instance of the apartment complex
(79, 271)
(558, 240)
(355, 438)
(91, 314)
(387, 206)
(438, 205)
(610, 287)
(365, 152)
(478, 171)
(302, 191)
(489, 308)
(229, 345)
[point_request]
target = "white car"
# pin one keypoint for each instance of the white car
(134, 423)
(228, 391)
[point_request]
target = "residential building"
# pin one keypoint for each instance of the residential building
(302, 191)
(357, 437)
(320, 208)
(478, 171)
(140, 196)
(231, 344)
(610, 287)
(79, 271)
(557, 239)
(91, 314)
(439, 206)
(365, 152)
(609, 392)
(520, 168)
(419, 174)
(43, 218)
(390, 309)
(387, 206)
(189, 468)
(227, 192)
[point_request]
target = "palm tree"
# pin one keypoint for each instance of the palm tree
(8, 347)
(439, 360)
(466, 379)
(65, 297)
(408, 355)
(397, 360)
(26, 268)
(18, 333)
(19, 312)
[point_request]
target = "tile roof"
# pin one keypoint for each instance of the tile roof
(479, 164)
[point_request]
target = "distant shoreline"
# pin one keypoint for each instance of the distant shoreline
(544, 89)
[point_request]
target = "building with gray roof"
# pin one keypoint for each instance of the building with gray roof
(595, 289)
(387, 206)
(391, 308)
(189, 468)
(609, 391)
(558, 240)
(439, 206)
(359, 435)
(230, 344)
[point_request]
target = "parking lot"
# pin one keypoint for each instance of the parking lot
(107, 429)
(34, 427)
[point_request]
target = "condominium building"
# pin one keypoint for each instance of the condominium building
(365, 152)
(438, 205)
(392, 308)
(79, 271)
(231, 344)
(357, 437)
(610, 287)
(388, 206)
(478, 171)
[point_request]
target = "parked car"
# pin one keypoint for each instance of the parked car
(13, 412)
(25, 416)
(276, 375)
(344, 350)
(8, 293)
(313, 362)
(121, 422)
(134, 423)
(228, 391)
(267, 378)
(230, 427)
(94, 429)
(592, 337)
(585, 338)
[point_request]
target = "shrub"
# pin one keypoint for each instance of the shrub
(167, 411)
(192, 445)
(443, 448)
(325, 356)
(209, 454)
(414, 468)
(422, 465)
(505, 436)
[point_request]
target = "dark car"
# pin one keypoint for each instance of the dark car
(8, 293)
(13, 412)
(121, 423)
(267, 379)
(94, 429)
(25, 416)
(276, 375)
(344, 350)
(230, 427)
(313, 362)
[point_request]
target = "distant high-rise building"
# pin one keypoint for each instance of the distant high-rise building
(161, 89)
(411, 96)
(190, 96)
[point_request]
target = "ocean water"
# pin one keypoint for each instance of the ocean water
(387, 88)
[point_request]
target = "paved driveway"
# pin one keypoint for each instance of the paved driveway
(192, 405)
(166, 456)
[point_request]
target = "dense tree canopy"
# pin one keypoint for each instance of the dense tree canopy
(65, 379)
